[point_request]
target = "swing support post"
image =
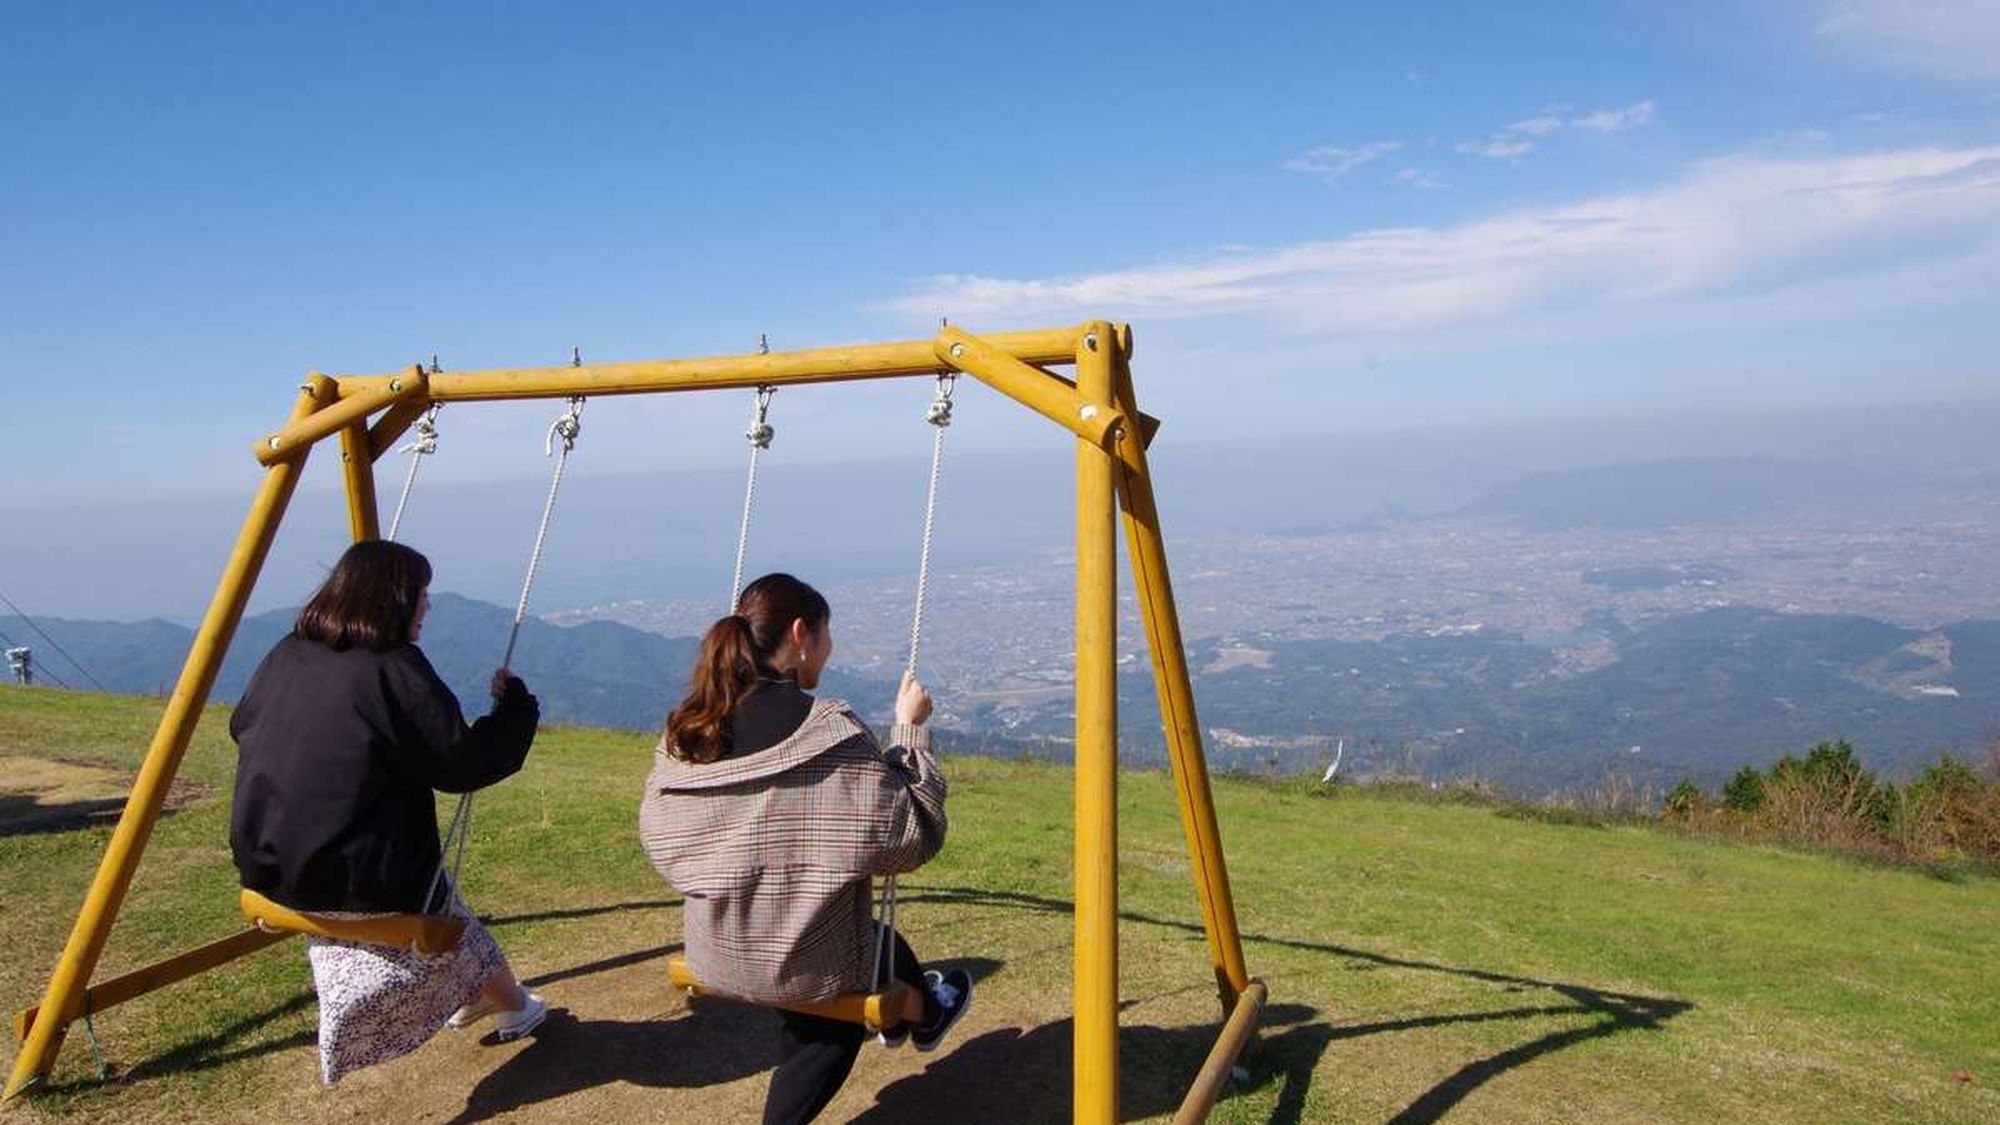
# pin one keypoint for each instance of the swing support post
(63, 1001)
(1094, 1078)
(357, 469)
(1148, 554)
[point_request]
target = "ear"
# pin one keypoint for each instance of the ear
(800, 634)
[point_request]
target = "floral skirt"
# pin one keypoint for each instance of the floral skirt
(377, 1003)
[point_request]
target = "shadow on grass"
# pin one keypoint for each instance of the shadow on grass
(1293, 1055)
(21, 814)
(215, 1050)
(1005, 1075)
(712, 1043)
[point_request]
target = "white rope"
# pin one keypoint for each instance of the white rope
(759, 436)
(453, 853)
(885, 936)
(425, 445)
(939, 416)
(566, 428)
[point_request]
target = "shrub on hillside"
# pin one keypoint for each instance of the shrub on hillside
(1828, 799)
(1745, 791)
(1960, 810)
(1686, 800)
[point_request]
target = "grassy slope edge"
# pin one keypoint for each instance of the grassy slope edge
(1424, 961)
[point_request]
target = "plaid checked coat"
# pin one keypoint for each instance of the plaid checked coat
(775, 851)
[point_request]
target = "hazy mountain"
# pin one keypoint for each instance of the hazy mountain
(600, 673)
(1681, 491)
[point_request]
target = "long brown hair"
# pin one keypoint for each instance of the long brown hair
(369, 600)
(733, 652)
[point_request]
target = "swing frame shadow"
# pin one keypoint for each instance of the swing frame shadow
(1114, 486)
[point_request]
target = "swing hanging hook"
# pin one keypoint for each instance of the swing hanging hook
(566, 427)
(939, 413)
(760, 432)
(427, 431)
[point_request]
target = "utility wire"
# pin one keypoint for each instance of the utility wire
(52, 642)
(9, 642)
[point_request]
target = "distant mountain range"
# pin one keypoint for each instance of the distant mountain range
(598, 673)
(1696, 695)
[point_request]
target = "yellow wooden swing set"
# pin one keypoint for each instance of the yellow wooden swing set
(369, 414)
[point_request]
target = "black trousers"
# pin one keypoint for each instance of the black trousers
(815, 1054)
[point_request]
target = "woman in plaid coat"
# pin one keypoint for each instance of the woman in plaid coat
(772, 811)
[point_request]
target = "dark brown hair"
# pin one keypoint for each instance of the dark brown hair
(369, 600)
(733, 652)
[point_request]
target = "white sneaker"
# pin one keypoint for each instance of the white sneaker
(472, 1013)
(515, 1024)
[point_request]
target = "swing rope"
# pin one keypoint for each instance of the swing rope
(939, 416)
(759, 436)
(565, 428)
(425, 445)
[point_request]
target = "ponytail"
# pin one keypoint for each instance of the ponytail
(724, 670)
(734, 652)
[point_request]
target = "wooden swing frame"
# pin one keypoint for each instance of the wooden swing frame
(1114, 483)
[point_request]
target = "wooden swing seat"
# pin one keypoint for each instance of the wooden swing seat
(900, 1003)
(429, 934)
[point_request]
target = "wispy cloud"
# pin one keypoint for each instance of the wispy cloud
(1418, 178)
(1730, 226)
(1535, 126)
(1956, 39)
(1519, 138)
(1501, 145)
(1616, 120)
(1330, 163)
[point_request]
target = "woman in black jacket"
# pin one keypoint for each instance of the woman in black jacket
(343, 736)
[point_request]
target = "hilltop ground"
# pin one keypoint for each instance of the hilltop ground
(1425, 961)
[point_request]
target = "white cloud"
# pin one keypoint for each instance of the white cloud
(1535, 126)
(1418, 178)
(1499, 146)
(1332, 163)
(1515, 139)
(1956, 39)
(1728, 227)
(1616, 120)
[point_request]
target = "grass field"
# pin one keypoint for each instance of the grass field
(1426, 961)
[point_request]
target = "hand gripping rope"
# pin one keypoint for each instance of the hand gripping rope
(939, 416)
(565, 428)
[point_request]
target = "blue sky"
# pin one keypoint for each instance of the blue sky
(1319, 217)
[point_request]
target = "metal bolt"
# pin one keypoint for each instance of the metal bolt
(274, 441)
(395, 384)
(1090, 340)
(1087, 413)
(958, 351)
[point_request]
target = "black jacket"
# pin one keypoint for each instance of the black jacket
(338, 753)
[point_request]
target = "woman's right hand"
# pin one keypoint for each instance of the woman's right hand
(499, 685)
(913, 703)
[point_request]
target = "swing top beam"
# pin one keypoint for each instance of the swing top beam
(1012, 362)
(755, 369)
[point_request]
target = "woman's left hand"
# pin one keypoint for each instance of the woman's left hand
(499, 685)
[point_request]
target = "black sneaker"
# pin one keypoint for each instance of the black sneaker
(953, 993)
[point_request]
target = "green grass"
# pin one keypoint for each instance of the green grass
(1424, 959)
